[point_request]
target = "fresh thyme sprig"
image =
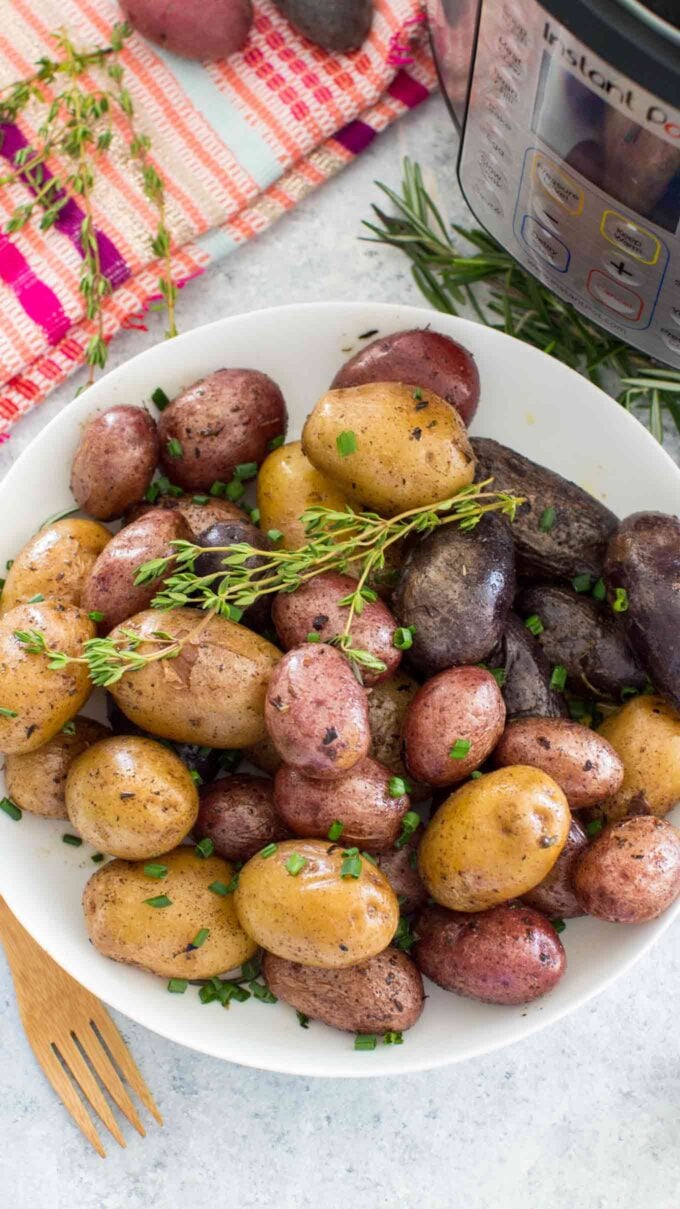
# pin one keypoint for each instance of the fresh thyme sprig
(516, 302)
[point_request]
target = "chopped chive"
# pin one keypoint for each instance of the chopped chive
(268, 851)
(600, 590)
(295, 864)
(262, 993)
(627, 692)
(195, 776)
(74, 840)
(235, 490)
(204, 848)
(156, 871)
(251, 969)
(95, 615)
(499, 675)
(97, 858)
(594, 827)
(620, 602)
(200, 938)
(159, 397)
(220, 888)
(200, 499)
(255, 515)
(69, 728)
(404, 938)
(167, 488)
(274, 535)
(10, 808)
(534, 624)
(229, 759)
(218, 488)
(177, 986)
(460, 749)
(174, 448)
(275, 442)
(402, 638)
(581, 583)
(208, 994)
(367, 856)
(161, 900)
(303, 1020)
(9, 564)
(398, 786)
(474, 776)
(558, 678)
(558, 924)
(152, 493)
(547, 520)
(365, 1041)
(313, 636)
(409, 824)
(37, 599)
(8, 713)
(245, 470)
(351, 864)
(393, 1038)
(346, 443)
(335, 830)
(417, 394)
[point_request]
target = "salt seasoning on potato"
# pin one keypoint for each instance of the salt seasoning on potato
(453, 723)
(581, 761)
(55, 563)
(114, 462)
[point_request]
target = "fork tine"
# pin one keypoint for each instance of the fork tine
(122, 1056)
(99, 1057)
(69, 1096)
(68, 1050)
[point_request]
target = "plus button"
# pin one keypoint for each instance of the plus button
(620, 268)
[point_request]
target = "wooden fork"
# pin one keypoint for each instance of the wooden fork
(73, 1037)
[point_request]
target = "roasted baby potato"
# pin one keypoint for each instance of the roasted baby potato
(206, 761)
(36, 780)
(114, 462)
(335, 27)
(315, 608)
(199, 511)
(526, 680)
(645, 734)
(631, 871)
(296, 903)
(55, 563)
(361, 800)
(212, 694)
(381, 995)
(36, 700)
(585, 766)
(110, 588)
(400, 866)
(494, 839)
(420, 358)
(124, 925)
(232, 533)
(237, 813)
(453, 723)
(387, 706)
(643, 560)
(510, 954)
(389, 447)
(555, 895)
(561, 531)
(213, 32)
(287, 486)
(131, 797)
(456, 588)
(584, 637)
(218, 423)
(317, 713)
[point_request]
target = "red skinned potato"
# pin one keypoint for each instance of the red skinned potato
(218, 423)
(114, 462)
(212, 510)
(509, 955)
(110, 588)
(381, 995)
(237, 813)
(452, 725)
(631, 872)
(584, 765)
(400, 867)
(217, 30)
(555, 895)
(360, 800)
(315, 609)
(418, 357)
(317, 713)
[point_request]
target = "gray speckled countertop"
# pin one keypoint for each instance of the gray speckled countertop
(584, 1114)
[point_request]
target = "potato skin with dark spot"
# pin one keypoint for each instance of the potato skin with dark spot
(237, 813)
(575, 543)
(584, 765)
(55, 563)
(631, 871)
(360, 800)
(221, 421)
(383, 994)
(509, 955)
(114, 462)
(420, 358)
(198, 517)
(456, 588)
(317, 713)
(555, 895)
(526, 685)
(314, 608)
(110, 588)
(645, 733)
(463, 703)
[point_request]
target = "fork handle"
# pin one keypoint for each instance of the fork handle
(15, 941)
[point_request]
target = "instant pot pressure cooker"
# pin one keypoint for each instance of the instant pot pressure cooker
(570, 148)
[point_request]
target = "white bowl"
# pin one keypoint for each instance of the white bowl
(528, 401)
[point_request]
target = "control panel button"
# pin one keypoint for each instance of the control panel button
(675, 314)
(545, 244)
(515, 22)
(511, 56)
(487, 198)
(629, 237)
(503, 85)
(616, 297)
(548, 213)
(490, 171)
(563, 188)
(622, 268)
(495, 141)
(495, 106)
(671, 339)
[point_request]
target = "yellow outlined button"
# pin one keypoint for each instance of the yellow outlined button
(557, 184)
(629, 237)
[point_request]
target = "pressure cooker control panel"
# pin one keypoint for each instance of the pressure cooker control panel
(556, 165)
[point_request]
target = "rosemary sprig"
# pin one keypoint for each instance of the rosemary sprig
(514, 301)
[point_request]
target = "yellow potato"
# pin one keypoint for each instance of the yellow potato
(123, 926)
(287, 485)
(316, 916)
(36, 781)
(645, 734)
(55, 563)
(494, 839)
(388, 446)
(212, 694)
(36, 700)
(131, 797)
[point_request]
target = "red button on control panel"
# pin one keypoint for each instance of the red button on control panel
(616, 297)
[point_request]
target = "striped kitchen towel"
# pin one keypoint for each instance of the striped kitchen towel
(238, 143)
